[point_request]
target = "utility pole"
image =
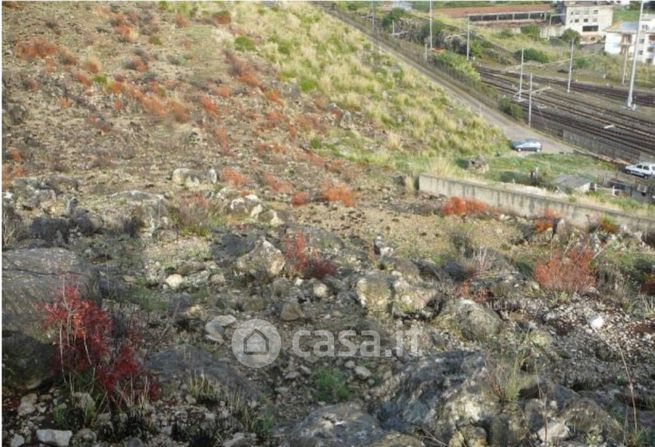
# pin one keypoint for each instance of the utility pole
(625, 64)
(468, 36)
(521, 77)
(393, 28)
(425, 55)
(430, 25)
(568, 85)
(373, 16)
(530, 104)
(634, 58)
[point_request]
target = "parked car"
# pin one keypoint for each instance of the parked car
(527, 144)
(641, 169)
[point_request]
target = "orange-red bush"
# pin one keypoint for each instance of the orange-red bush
(546, 221)
(34, 48)
(220, 135)
(274, 96)
(300, 198)
(125, 33)
(307, 263)
(338, 193)
(153, 105)
(92, 65)
(181, 21)
(179, 110)
(242, 70)
(85, 347)
(233, 177)
(82, 79)
(222, 91)
(456, 206)
(276, 184)
(569, 271)
(115, 87)
(209, 105)
(222, 17)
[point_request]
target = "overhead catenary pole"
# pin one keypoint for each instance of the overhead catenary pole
(634, 58)
(468, 36)
(568, 84)
(521, 77)
(530, 103)
(430, 25)
(625, 64)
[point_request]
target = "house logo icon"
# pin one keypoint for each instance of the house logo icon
(256, 343)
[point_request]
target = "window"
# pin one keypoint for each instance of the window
(590, 29)
(585, 20)
(595, 11)
(641, 52)
(577, 20)
(595, 20)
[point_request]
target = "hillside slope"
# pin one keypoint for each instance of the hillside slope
(192, 166)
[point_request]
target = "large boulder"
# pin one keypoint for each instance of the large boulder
(473, 320)
(411, 297)
(345, 425)
(150, 211)
(264, 262)
(193, 177)
(31, 278)
(374, 291)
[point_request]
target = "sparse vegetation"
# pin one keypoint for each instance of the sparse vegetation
(330, 385)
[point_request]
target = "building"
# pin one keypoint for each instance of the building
(621, 39)
(589, 18)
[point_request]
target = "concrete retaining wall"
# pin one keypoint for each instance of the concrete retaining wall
(529, 204)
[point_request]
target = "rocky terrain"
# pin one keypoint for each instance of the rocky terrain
(166, 179)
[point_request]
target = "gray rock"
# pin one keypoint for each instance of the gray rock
(32, 278)
(374, 291)
(264, 262)
(225, 320)
(553, 432)
(291, 311)
(87, 222)
(27, 404)
(362, 372)
(180, 364)
(192, 177)
(152, 211)
(270, 217)
(475, 322)
(248, 206)
(84, 438)
(53, 230)
(320, 290)
(57, 438)
(62, 183)
(16, 441)
(214, 331)
(345, 425)
(410, 298)
(174, 281)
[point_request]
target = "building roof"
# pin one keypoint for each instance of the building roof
(581, 4)
(504, 8)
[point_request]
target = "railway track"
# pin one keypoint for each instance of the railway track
(555, 110)
(640, 97)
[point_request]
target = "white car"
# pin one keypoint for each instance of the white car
(528, 144)
(641, 170)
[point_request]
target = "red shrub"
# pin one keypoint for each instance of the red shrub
(209, 105)
(137, 64)
(64, 102)
(179, 110)
(115, 87)
(233, 177)
(66, 57)
(276, 184)
(242, 70)
(546, 221)
(608, 225)
(293, 133)
(14, 154)
(221, 138)
(125, 33)
(222, 17)
(222, 91)
(568, 272)
(274, 96)
(82, 79)
(462, 207)
(338, 193)
(308, 265)
(34, 48)
(300, 198)
(275, 117)
(92, 65)
(85, 347)
(153, 105)
(118, 105)
(648, 287)
(181, 21)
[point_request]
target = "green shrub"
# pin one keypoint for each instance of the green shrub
(530, 30)
(394, 15)
(512, 109)
(505, 34)
(458, 63)
(330, 385)
(307, 84)
(569, 35)
(581, 62)
(244, 43)
(532, 54)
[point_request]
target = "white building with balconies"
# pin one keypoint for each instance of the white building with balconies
(622, 37)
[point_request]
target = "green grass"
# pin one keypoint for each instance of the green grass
(330, 385)
(244, 43)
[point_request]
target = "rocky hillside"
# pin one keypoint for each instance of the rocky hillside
(172, 171)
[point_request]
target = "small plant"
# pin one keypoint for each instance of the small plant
(220, 135)
(338, 193)
(505, 374)
(244, 43)
(568, 271)
(305, 262)
(222, 91)
(181, 21)
(608, 225)
(546, 221)
(92, 65)
(37, 47)
(136, 64)
(648, 286)
(242, 70)
(330, 385)
(82, 79)
(530, 30)
(196, 215)
(301, 198)
(274, 96)
(222, 18)
(276, 184)
(87, 355)
(532, 54)
(179, 110)
(457, 206)
(209, 105)
(233, 177)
